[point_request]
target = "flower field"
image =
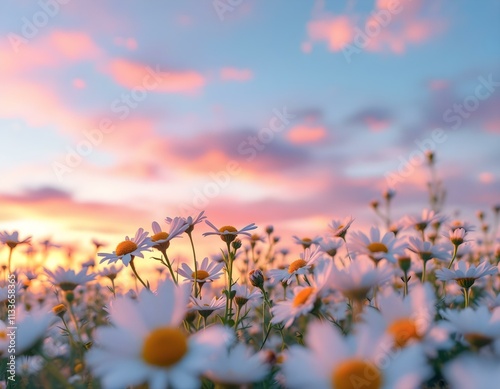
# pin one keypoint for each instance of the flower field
(414, 304)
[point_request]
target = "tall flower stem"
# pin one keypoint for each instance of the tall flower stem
(168, 264)
(466, 297)
(195, 265)
(455, 250)
(10, 259)
(132, 266)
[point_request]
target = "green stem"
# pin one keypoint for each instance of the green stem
(195, 265)
(455, 250)
(466, 297)
(424, 271)
(10, 258)
(169, 265)
(132, 266)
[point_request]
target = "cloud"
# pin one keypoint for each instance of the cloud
(131, 75)
(389, 27)
(374, 118)
(234, 74)
(306, 134)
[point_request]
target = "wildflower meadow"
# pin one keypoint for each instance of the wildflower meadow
(411, 303)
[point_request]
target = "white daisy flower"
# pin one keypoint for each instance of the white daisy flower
(340, 227)
(427, 251)
(465, 274)
(68, 280)
(32, 327)
(129, 248)
(12, 240)
(189, 221)
(303, 299)
(358, 277)
(240, 365)
(421, 222)
(243, 295)
(229, 233)
(331, 246)
(145, 345)
(110, 272)
(409, 320)
(161, 239)
(457, 236)
(377, 247)
(298, 267)
(29, 365)
(208, 271)
(363, 360)
(472, 371)
(478, 327)
(207, 305)
(456, 224)
(307, 242)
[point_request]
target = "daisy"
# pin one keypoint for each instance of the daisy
(472, 371)
(189, 221)
(331, 246)
(208, 271)
(161, 239)
(427, 251)
(456, 224)
(206, 305)
(240, 365)
(229, 233)
(358, 277)
(478, 327)
(129, 248)
(377, 248)
(307, 242)
(12, 241)
(244, 295)
(465, 274)
(29, 365)
(298, 267)
(409, 320)
(421, 222)
(457, 236)
(362, 360)
(303, 299)
(68, 280)
(340, 227)
(32, 327)
(145, 344)
(110, 272)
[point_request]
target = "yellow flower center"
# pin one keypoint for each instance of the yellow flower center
(296, 265)
(159, 236)
(376, 247)
(3, 335)
(356, 373)
(302, 296)
(478, 340)
(200, 275)
(164, 347)
(228, 238)
(403, 331)
(59, 309)
(125, 247)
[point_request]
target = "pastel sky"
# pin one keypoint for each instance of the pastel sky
(292, 113)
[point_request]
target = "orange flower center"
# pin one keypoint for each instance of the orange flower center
(159, 236)
(164, 347)
(302, 296)
(356, 373)
(228, 238)
(403, 331)
(296, 265)
(200, 275)
(228, 228)
(125, 247)
(376, 247)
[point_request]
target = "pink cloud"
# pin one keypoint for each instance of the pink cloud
(438, 84)
(128, 43)
(131, 75)
(306, 134)
(233, 74)
(486, 177)
(337, 32)
(78, 83)
(73, 45)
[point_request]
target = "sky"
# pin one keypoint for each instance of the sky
(284, 113)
